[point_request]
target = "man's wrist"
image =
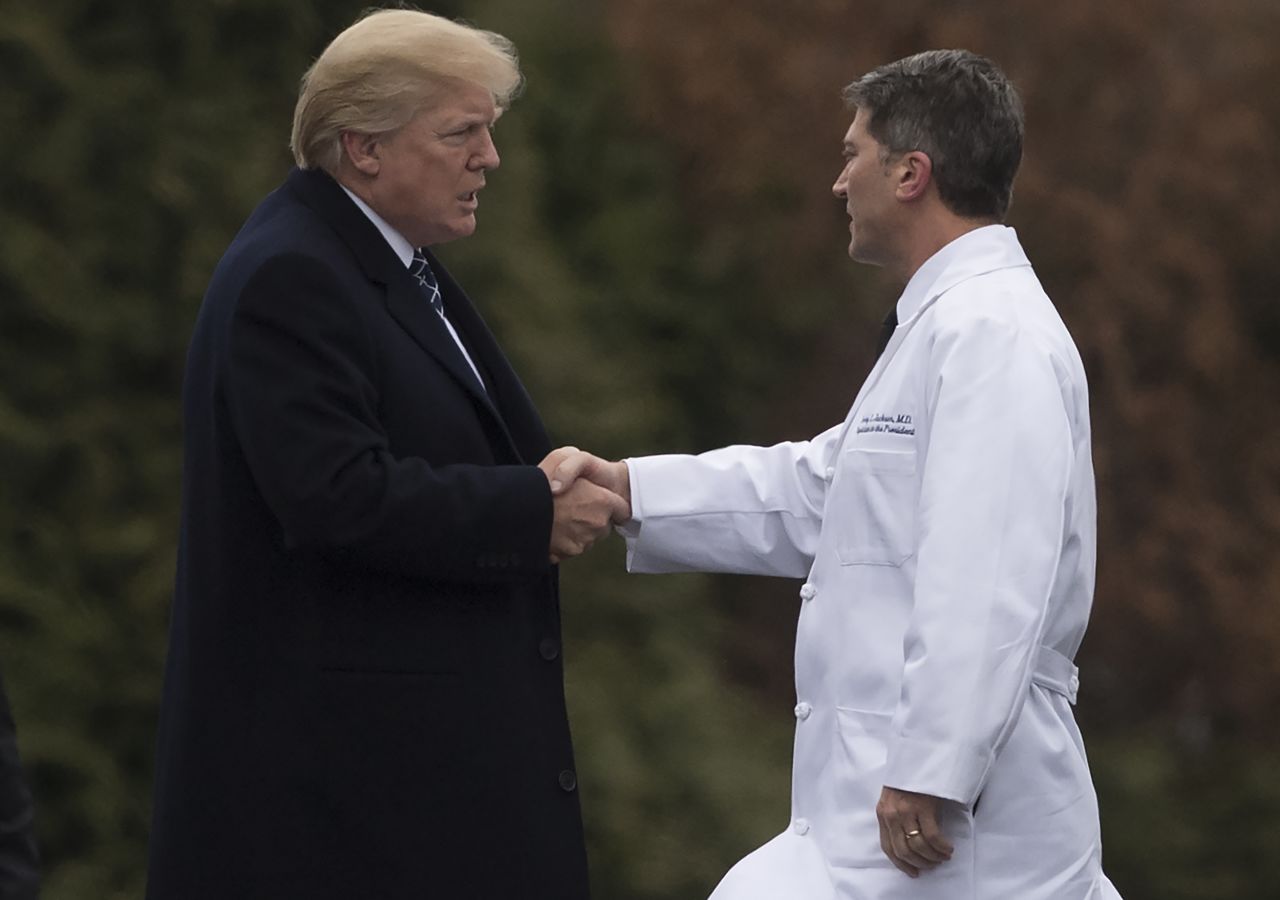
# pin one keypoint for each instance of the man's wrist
(624, 481)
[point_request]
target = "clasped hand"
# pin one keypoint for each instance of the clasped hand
(590, 496)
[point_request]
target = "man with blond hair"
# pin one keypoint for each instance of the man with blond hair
(364, 694)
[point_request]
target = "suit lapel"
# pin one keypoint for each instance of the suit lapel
(410, 309)
(506, 391)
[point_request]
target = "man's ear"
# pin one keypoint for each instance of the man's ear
(915, 171)
(364, 151)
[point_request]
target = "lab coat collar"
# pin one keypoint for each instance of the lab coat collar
(974, 253)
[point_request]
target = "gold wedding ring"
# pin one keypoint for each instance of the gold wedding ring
(911, 834)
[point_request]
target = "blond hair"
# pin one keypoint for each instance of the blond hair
(375, 76)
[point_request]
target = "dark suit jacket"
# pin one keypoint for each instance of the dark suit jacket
(19, 864)
(364, 694)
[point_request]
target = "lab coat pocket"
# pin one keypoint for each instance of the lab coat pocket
(876, 514)
(858, 772)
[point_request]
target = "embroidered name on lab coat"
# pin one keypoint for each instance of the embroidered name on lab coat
(879, 423)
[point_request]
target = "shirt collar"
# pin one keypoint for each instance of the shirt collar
(974, 253)
(399, 243)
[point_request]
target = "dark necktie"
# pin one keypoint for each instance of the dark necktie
(421, 271)
(887, 329)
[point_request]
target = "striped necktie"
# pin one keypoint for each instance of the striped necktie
(421, 271)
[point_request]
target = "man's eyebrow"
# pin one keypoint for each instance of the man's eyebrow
(465, 120)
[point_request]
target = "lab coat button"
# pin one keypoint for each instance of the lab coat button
(831, 472)
(807, 591)
(1075, 683)
(801, 826)
(568, 781)
(802, 710)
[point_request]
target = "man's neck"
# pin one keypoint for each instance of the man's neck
(353, 181)
(931, 236)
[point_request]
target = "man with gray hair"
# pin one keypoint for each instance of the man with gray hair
(945, 533)
(364, 693)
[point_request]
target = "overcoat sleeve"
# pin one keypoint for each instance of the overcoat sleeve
(301, 389)
(991, 521)
(747, 510)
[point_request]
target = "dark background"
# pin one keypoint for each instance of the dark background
(662, 259)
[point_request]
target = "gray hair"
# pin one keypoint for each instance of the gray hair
(961, 111)
(375, 76)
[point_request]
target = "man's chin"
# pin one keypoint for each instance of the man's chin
(865, 255)
(454, 230)
(465, 227)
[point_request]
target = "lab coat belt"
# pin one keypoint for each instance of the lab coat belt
(1054, 672)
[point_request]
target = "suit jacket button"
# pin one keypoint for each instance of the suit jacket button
(549, 648)
(568, 781)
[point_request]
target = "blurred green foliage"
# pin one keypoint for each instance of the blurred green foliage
(136, 139)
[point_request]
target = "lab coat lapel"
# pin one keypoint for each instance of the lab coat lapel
(976, 253)
(886, 358)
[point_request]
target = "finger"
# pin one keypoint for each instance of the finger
(905, 853)
(554, 458)
(902, 864)
(568, 471)
(912, 850)
(557, 456)
(910, 870)
(570, 549)
(932, 843)
(886, 845)
(565, 547)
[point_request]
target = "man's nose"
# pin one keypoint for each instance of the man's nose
(487, 155)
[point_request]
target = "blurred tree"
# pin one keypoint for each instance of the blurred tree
(661, 256)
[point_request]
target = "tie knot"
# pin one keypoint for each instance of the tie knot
(887, 328)
(420, 269)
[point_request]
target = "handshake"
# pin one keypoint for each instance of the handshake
(590, 496)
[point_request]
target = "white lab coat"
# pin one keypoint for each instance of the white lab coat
(945, 531)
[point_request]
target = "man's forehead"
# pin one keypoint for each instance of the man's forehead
(857, 132)
(464, 99)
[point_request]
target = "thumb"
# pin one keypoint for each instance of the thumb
(553, 459)
(578, 465)
(619, 509)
